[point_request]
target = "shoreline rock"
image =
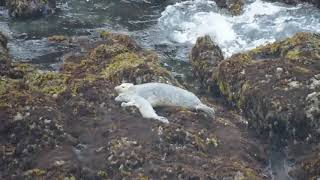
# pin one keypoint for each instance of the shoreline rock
(235, 7)
(2, 2)
(205, 57)
(30, 8)
(4, 57)
(276, 85)
(66, 124)
(295, 2)
(307, 159)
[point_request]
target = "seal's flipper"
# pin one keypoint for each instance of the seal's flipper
(147, 110)
(163, 119)
(208, 110)
(126, 104)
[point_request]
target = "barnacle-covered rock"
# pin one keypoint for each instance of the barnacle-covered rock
(276, 85)
(205, 57)
(66, 125)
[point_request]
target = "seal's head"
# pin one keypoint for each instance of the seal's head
(122, 97)
(123, 87)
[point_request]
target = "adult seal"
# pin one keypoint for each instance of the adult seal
(145, 108)
(157, 95)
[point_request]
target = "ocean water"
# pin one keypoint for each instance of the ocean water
(260, 23)
(169, 28)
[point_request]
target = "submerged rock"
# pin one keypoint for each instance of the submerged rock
(276, 85)
(30, 8)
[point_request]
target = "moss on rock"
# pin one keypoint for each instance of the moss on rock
(281, 72)
(132, 67)
(49, 83)
(104, 34)
(48, 116)
(205, 57)
(59, 39)
(5, 62)
(235, 7)
(120, 59)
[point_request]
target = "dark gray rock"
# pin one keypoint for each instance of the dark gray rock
(205, 57)
(30, 8)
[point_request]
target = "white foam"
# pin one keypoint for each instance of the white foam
(261, 22)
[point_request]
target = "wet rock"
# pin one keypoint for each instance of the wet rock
(276, 85)
(49, 83)
(308, 168)
(119, 60)
(30, 8)
(3, 42)
(5, 61)
(34, 173)
(59, 39)
(205, 57)
(235, 7)
(2, 2)
(295, 2)
(4, 57)
(54, 126)
(313, 106)
(307, 161)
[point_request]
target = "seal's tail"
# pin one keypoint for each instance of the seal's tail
(208, 110)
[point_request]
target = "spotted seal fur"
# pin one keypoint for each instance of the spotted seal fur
(159, 95)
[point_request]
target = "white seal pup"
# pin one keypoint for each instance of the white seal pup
(143, 105)
(160, 94)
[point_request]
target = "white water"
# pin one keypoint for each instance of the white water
(261, 22)
(170, 30)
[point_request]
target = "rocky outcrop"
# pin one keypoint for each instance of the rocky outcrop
(307, 158)
(308, 168)
(5, 62)
(66, 125)
(235, 7)
(205, 57)
(2, 2)
(120, 59)
(30, 8)
(276, 85)
(295, 2)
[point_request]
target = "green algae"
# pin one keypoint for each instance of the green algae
(225, 90)
(5, 85)
(236, 9)
(58, 38)
(104, 34)
(35, 172)
(250, 174)
(102, 174)
(294, 54)
(122, 62)
(49, 83)
(241, 96)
